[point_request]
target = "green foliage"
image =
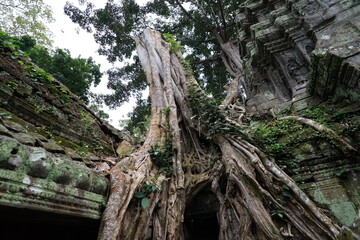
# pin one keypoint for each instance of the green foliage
(277, 212)
(24, 17)
(278, 138)
(11, 84)
(175, 47)
(148, 187)
(78, 74)
(38, 74)
(16, 44)
(83, 150)
(96, 108)
(166, 112)
(139, 119)
(118, 22)
(161, 155)
(319, 114)
(268, 135)
(211, 120)
(5, 115)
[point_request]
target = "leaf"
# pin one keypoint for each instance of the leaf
(140, 195)
(287, 194)
(144, 202)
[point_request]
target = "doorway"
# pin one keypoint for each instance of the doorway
(201, 221)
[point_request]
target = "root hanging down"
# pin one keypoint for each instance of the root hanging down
(200, 146)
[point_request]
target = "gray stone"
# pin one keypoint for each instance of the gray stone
(5, 131)
(9, 158)
(72, 154)
(39, 163)
(51, 146)
(14, 126)
(25, 138)
(38, 136)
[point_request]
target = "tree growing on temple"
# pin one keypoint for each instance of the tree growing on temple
(206, 30)
(192, 144)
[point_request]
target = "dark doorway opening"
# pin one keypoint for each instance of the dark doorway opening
(201, 217)
(21, 223)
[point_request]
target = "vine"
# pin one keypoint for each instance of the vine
(208, 116)
(161, 155)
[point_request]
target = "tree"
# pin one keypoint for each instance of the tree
(78, 74)
(206, 29)
(135, 125)
(152, 186)
(191, 143)
(26, 17)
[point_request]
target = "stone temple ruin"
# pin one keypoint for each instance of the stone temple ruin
(297, 53)
(50, 143)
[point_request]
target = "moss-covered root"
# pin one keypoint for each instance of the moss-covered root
(344, 146)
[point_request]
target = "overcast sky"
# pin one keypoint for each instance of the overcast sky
(82, 43)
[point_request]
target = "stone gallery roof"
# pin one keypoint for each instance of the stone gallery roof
(50, 143)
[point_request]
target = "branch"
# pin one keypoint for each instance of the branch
(184, 10)
(13, 6)
(215, 18)
(199, 41)
(339, 141)
(223, 17)
(211, 59)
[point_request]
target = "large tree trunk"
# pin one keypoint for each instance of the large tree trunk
(186, 124)
(231, 58)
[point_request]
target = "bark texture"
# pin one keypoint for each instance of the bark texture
(207, 149)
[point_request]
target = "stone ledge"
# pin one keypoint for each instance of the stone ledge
(23, 191)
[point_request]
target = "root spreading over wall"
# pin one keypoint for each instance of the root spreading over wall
(191, 144)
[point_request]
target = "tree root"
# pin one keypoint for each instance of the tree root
(344, 146)
(253, 182)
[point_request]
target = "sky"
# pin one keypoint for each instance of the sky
(65, 35)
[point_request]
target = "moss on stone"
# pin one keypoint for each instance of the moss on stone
(344, 212)
(12, 155)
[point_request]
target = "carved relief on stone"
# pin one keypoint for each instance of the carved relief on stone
(297, 70)
(294, 68)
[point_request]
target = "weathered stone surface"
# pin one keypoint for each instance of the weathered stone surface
(5, 131)
(53, 111)
(289, 47)
(25, 138)
(286, 43)
(124, 148)
(14, 126)
(12, 154)
(51, 146)
(39, 163)
(43, 129)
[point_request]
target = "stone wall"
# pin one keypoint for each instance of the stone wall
(290, 44)
(303, 58)
(50, 143)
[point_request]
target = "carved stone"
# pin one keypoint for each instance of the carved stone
(288, 45)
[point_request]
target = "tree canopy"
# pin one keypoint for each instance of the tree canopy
(78, 74)
(200, 26)
(26, 17)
